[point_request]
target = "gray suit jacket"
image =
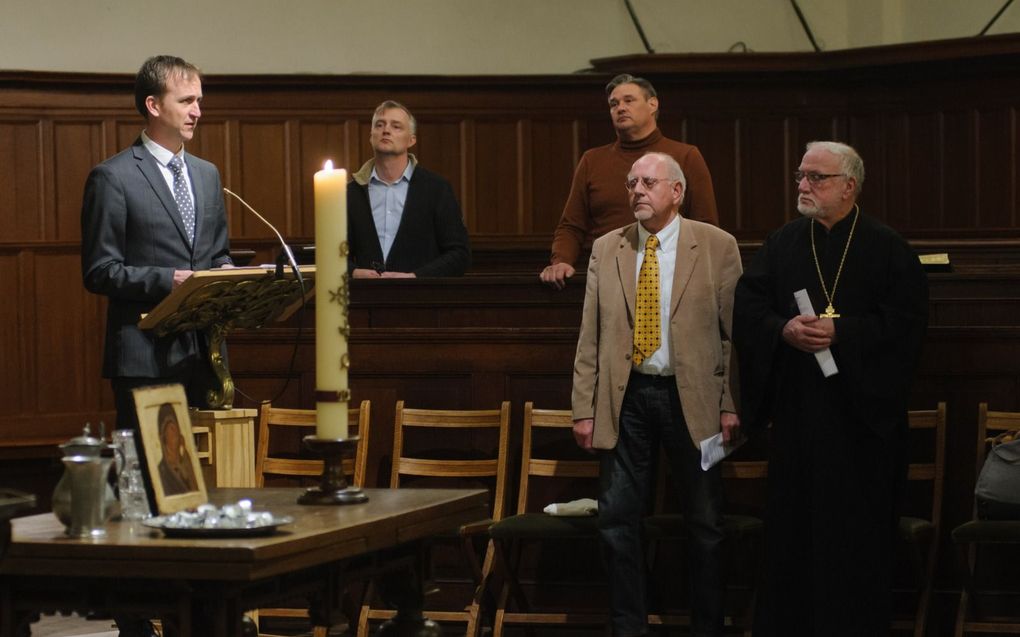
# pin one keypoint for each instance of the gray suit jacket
(707, 268)
(132, 241)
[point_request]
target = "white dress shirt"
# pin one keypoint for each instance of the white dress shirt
(660, 363)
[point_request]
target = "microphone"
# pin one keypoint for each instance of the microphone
(286, 248)
(279, 274)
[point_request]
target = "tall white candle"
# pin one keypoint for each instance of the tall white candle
(331, 300)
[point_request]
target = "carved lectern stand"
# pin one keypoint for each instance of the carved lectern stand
(215, 302)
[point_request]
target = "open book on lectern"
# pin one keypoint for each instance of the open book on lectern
(218, 301)
(256, 291)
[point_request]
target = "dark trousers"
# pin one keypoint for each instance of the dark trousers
(196, 378)
(651, 415)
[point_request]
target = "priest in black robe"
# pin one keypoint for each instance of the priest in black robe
(837, 444)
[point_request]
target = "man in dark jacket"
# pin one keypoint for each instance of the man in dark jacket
(402, 220)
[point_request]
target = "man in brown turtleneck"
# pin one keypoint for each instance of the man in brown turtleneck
(598, 198)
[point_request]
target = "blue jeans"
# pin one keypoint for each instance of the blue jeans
(651, 415)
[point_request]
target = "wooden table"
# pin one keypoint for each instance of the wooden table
(203, 586)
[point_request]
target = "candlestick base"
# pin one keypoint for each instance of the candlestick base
(333, 488)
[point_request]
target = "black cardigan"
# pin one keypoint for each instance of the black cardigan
(431, 240)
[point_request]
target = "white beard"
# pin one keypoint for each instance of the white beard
(807, 210)
(643, 214)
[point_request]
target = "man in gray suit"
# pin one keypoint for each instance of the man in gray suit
(151, 215)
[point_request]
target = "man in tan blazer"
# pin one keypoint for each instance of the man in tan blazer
(652, 368)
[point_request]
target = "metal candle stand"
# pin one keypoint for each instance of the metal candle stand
(333, 488)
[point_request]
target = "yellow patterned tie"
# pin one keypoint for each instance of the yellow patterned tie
(647, 328)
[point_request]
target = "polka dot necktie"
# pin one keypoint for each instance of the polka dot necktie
(647, 326)
(183, 197)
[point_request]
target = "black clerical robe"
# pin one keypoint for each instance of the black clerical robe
(837, 445)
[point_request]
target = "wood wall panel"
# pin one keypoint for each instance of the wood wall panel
(266, 175)
(21, 191)
(63, 341)
(959, 188)
(77, 147)
(440, 148)
(127, 130)
(552, 170)
(317, 142)
(12, 338)
(995, 158)
(717, 139)
(921, 170)
(497, 167)
(765, 172)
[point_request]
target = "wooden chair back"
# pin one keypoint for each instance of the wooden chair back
(931, 468)
(289, 462)
(494, 465)
(543, 464)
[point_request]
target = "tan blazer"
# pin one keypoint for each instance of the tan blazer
(707, 269)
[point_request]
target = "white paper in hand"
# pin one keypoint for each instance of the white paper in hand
(574, 508)
(824, 357)
(713, 450)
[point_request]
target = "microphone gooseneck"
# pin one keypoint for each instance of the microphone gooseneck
(286, 248)
(279, 273)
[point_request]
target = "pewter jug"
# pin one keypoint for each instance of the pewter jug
(83, 494)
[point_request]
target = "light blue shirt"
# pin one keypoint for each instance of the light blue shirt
(388, 206)
(660, 363)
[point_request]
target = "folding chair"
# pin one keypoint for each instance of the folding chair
(284, 461)
(921, 535)
(743, 536)
(977, 612)
(554, 466)
(453, 464)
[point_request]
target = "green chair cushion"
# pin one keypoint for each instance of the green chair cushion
(1002, 531)
(916, 529)
(537, 526)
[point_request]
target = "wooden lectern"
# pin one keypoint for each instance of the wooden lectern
(215, 302)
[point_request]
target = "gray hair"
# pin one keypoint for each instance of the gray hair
(850, 163)
(673, 169)
(390, 104)
(627, 78)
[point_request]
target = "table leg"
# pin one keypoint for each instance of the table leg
(403, 588)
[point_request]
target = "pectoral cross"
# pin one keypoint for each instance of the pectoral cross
(830, 312)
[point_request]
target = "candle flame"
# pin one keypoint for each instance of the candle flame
(328, 165)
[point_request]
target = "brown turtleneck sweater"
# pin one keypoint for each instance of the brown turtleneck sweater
(598, 199)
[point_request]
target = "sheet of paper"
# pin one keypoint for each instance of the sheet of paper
(824, 357)
(574, 508)
(713, 450)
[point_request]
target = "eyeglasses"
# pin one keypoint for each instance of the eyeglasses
(813, 178)
(649, 182)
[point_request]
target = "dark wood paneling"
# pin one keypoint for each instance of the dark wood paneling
(718, 140)
(497, 165)
(440, 148)
(265, 175)
(21, 168)
(922, 170)
(77, 147)
(552, 169)
(996, 156)
(64, 336)
(318, 142)
(12, 338)
(959, 172)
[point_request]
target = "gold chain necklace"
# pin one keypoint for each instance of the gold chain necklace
(830, 311)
